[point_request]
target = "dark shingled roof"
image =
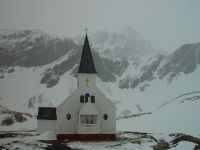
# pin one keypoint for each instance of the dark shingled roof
(47, 113)
(87, 63)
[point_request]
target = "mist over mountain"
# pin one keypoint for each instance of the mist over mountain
(123, 61)
(129, 56)
(184, 60)
(127, 44)
(28, 48)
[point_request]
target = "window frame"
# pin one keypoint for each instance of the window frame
(92, 99)
(82, 99)
(85, 119)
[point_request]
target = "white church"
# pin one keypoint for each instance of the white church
(86, 114)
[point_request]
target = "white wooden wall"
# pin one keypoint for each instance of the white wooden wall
(45, 125)
(72, 105)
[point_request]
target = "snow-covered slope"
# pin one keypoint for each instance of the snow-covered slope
(174, 106)
(22, 91)
(160, 109)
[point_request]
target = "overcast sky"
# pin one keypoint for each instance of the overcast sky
(166, 24)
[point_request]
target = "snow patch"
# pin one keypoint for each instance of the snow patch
(48, 135)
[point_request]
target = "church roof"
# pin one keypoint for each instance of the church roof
(86, 63)
(47, 113)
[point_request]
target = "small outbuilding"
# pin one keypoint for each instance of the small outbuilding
(46, 119)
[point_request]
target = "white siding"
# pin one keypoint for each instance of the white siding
(82, 77)
(46, 125)
(72, 105)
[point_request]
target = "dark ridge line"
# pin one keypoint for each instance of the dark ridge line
(165, 103)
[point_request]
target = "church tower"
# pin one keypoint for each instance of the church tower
(87, 72)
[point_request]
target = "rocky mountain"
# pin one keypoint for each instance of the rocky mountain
(127, 44)
(32, 48)
(27, 48)
(122, 53)
(184, 60)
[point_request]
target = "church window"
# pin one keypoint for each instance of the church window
(87, 95)
(105, 117)
(69, 116)
(81, 99)
(88, 119)
(92, 99)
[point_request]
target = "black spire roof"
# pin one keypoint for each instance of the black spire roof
(87, 63)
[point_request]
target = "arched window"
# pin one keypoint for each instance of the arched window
(87, 95)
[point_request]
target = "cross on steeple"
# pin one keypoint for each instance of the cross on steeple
(86, 29)
(87, 81)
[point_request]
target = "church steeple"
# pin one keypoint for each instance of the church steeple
(87, 63)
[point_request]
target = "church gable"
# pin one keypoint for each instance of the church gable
(101, 97)
(77, 99)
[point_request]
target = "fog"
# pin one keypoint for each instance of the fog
(166, 24)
